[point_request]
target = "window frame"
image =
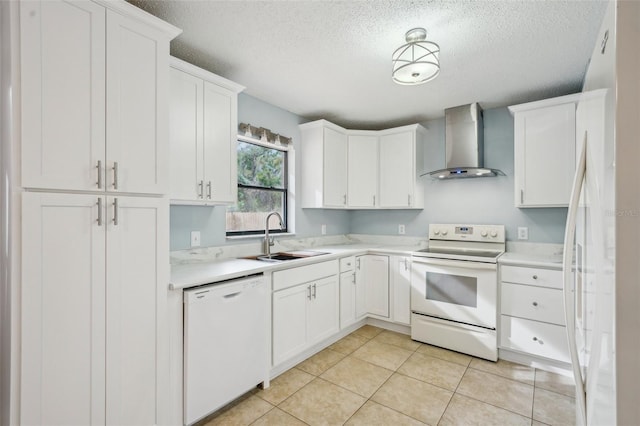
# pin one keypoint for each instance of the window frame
(284, 190)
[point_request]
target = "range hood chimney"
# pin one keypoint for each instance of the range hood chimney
(464, 143)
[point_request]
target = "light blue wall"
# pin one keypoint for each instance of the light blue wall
(210, 221)
(473, 201)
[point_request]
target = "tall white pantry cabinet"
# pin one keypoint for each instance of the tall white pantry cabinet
(95, 247)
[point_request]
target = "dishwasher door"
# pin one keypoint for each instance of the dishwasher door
(226, 333)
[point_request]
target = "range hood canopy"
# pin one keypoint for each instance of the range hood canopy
(464, 143)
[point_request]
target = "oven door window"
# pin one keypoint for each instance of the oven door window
(454, 289)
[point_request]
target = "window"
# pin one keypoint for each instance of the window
(262, 188)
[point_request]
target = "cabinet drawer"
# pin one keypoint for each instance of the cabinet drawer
(535, 338)
(536, 303)
(532, 276)
(303, 274)
(347, 263)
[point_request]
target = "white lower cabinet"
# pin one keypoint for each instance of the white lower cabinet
(532, 312)
(94, 289)
(304, 313)
(372, 276)
(400, 275)
(347, 298)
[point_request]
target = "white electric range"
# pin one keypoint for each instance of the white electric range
(454, 288)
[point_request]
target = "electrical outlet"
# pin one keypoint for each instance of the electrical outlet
(523, 233)
(401, 229)
(323, 229)
(195, 238)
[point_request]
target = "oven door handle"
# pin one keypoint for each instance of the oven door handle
(417, 260)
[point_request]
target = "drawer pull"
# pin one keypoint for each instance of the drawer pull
(535, 303)
(535, 339)
(535, 277)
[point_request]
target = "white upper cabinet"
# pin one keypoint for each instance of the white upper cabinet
(362, 178)
(544, 148)
(203, 136)
(324, 171)
(358, 169)
(401, 161)
(93, 84)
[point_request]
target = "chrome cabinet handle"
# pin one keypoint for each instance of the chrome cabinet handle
(209, 190)
(535, 339)
(522, 196)
(344, 199)
(374, 200)
(99, 167)
(409, 200)
(358, 263)
(201, 189)
(535, 303)
(314, 291)
(309, 292)
(115, 175)
(115, 211)
(406, 264)
(99, 220)
(353, 278)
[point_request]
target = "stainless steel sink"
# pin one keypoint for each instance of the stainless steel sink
(285, 256)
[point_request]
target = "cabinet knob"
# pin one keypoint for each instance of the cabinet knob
(535, 303)
(535, 339)
(535, 277)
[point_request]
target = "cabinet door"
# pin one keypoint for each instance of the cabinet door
(377, 284)
(347, 298)
(63, 91)
(545, 156)
(401, 285)
(137, 107)
(397, 170)
(220, 144)
(363, 171)
(323, 316)
(335, 168)
(63, 310)
(290, 322)
(360, 296)
(185, 137)
(137, 276)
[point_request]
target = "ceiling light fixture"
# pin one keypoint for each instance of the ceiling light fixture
(417, 61)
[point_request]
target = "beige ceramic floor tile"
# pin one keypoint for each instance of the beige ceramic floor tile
(553, 408)
(556, 383)
(320, 362)
(445, 354)
(277, 417)
(507, 369)
(348, 344)
(397, 339)
(285, 385)
(243, 413)
(322, 403)
(413, 398)
(371, 414)
(499, 391)
(386, 356)
(467, 411)
(537, 423)
(358, 376)
(433, 370)
(368, 331)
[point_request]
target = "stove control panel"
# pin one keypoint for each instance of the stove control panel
(457, 232)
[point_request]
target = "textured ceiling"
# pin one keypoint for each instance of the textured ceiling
(332, 59)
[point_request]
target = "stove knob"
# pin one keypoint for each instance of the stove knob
(483, 233)
(494, 234)
(436, 232)
(444, 232)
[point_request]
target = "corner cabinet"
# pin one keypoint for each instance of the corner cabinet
(372, 276)
(202, 136)
(362, 169)
(544, 149)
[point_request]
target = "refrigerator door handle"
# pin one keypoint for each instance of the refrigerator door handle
(567, 261)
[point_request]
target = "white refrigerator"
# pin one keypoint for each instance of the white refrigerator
(602, 234)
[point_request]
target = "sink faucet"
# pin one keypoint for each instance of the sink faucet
(268, 241)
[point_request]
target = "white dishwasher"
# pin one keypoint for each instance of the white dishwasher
(226, 333)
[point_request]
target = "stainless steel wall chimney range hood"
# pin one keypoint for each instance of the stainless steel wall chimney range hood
(464, 143)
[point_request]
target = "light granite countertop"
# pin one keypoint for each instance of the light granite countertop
(535, 255)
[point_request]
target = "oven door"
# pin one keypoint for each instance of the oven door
(454, 290)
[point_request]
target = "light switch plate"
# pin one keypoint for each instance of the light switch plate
(323, 229)
(523, 233)
(401, 229)
(195, 238)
